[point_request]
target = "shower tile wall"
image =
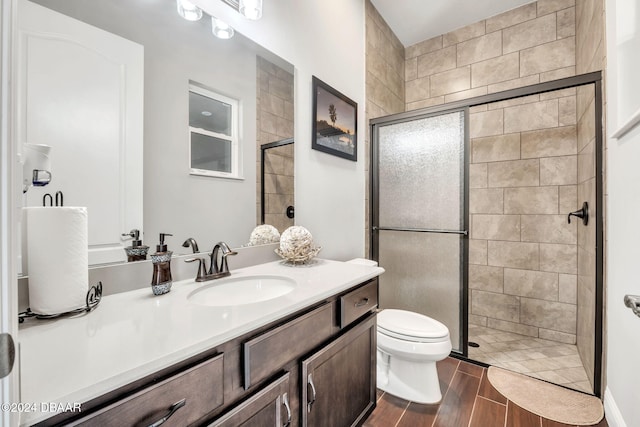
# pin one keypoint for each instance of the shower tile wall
(384, 80)
(590, 56)
(274, 101)
(531, 44)
(523, 182)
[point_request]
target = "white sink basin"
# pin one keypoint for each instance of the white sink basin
(235, 291)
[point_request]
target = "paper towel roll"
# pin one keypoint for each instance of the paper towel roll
(57, 258)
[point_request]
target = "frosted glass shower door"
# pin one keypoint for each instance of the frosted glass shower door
(418, 217)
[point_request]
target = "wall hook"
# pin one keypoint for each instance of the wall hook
(580, 213)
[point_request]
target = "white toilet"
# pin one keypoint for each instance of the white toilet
(409, 345)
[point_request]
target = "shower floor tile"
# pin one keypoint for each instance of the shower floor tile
(547, 360)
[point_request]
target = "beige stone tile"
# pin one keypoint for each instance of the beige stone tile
(515, 101)
(477, 109)
(479, 49)
(477, 320)
(566, 23)
(429, 102)
(417, 89)
(515, 83)
(586, 126)
(547, 57)
(548, 229)
(549, 142)
(437, 61)
(529, 283)
(477, 252)
(517, 173)
(486, 278)
(538, 115)
(486, 201)
(495, 227)
(567, 111)
(451, 81)
(558, 257)
(586, 167)
(512, 17)
(531, 200)
(529, 33)
(576, 374)
(284, 128)
(280, 88)
(502, 68)
(466, 94)
(478, 176)
(486, 123)
(496, 148)
(560, 73)
(498, 306)
(513, 255)
(271, 104)
(410, 69)
(463, 34)
(584, 386)
(553, 376)
(559, 170)
(284, 184)
(556, 316)
(423, 47)
(568, 195)
(561, 337)
(550, 6)
(567, 288)
(518, 328)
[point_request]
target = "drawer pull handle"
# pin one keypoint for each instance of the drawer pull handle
(363, 301)
(285, 401)
(172, 411)
(313, 391)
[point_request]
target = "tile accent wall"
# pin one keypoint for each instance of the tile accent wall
(531, 44)
(385, 83)
(590, 56)
(274, 101)
(523, 182)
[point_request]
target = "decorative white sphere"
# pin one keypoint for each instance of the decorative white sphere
(296, 244)
(264, 234)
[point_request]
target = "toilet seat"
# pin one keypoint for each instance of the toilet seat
(410, 326)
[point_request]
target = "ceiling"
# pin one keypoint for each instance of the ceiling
(416, 20)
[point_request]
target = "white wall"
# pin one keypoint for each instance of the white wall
(324, 38)
(622, 396)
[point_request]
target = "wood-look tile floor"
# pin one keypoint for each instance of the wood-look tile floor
(468, 399)
(547, 360)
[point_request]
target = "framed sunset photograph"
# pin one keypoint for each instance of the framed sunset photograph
(335, 120)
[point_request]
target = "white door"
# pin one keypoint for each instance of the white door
(80, 90)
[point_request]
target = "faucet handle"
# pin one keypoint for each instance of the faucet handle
(202, 267)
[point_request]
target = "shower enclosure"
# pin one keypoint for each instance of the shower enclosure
(470, 209)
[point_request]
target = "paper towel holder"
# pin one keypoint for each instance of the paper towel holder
(93, 298)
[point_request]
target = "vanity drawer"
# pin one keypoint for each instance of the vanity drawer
(201, 387)
(358, 302)
(269, 352)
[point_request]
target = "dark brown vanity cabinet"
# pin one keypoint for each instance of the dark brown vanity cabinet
(339, 382)
(315, 367)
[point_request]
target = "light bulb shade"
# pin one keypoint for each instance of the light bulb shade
(251, 9)
(188, 10)
(221, 29)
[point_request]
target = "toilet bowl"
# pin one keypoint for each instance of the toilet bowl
(409, 345)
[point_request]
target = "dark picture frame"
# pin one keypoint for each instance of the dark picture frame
(335, 120)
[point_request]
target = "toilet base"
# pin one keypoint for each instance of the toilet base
(416, 382)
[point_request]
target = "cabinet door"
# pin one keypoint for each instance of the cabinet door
(268, 407)
(339, 381)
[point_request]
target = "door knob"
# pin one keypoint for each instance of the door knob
(580, 213)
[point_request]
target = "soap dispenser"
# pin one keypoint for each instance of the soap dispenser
(161, 280)
(137, 251)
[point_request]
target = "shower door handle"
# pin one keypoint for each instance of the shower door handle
(580, 213)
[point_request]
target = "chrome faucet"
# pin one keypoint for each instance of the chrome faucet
(216, 270)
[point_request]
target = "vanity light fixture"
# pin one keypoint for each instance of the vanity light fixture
(221, 29)
(251, 9)
(188, 10)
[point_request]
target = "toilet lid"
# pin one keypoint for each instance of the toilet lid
(401, 323)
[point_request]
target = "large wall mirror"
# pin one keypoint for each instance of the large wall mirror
(98, 110)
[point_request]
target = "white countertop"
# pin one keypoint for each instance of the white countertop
(133, 334)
